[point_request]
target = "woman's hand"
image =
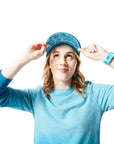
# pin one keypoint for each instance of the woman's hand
(94, 52)
(35, 51)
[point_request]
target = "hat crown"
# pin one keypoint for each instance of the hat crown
(62, 38)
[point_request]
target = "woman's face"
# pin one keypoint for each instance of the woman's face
(63, 63)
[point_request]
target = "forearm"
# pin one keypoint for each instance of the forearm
(111, 64)
(96, 52)
(34, 52)
(14, 67)
(108, 59)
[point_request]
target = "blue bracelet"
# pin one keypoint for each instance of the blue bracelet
(108, 58)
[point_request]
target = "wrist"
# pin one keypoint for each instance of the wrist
(104, 55)
(108, 58)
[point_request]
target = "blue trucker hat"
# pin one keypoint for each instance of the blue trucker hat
(62, 38)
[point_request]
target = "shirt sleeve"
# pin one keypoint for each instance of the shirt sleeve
(15, 98)
(104, 95)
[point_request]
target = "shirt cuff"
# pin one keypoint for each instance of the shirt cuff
(4, 82)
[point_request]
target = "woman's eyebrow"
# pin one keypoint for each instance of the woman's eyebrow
(59, 52)
(71, 52)
(55, 51)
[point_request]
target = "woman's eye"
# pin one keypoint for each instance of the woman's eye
(55, 56)
(69, 56)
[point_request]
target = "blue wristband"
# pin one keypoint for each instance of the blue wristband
(108, 58)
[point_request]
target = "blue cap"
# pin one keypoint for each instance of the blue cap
(62, 38)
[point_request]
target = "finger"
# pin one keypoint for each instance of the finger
(44, 44)
(79, 49)
(43, 49)
(83, 51)
(39, 45)
(98, 47)
(92, 49)
(86, 49)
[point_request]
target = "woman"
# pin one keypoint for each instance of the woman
(66, 109)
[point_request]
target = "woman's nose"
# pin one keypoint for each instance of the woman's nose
(63, 61)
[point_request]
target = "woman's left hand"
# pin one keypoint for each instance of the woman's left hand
(94, 52)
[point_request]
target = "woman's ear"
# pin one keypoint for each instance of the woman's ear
(49, 60)
(49, 63)
(50, 66)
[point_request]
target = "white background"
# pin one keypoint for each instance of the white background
(23, 22)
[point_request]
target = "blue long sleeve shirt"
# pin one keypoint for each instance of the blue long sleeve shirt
(65, 118)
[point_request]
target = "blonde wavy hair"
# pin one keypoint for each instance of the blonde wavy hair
(78, 79)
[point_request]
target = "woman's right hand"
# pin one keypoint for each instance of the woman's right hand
(35, 51)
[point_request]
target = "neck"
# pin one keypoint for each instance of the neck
(62, 84)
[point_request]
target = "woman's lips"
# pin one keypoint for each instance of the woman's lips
(63, 70)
